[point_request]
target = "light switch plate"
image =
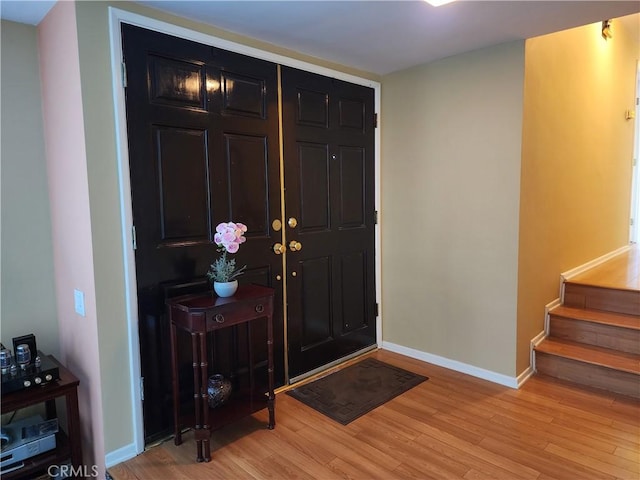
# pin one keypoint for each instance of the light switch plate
(78, 301)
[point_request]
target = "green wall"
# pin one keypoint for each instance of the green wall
(451, 137)
(28, 303)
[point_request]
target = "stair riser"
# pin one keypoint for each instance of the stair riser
(595, 298)
(589, 375)
(607, 336)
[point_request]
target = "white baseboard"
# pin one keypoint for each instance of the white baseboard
(547, 308)
(538, 338)
(461, 367)
(569, 274)
(120, 455)
(534, 342)
(526, 375)
(593, 263)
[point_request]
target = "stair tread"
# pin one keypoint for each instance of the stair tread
(600, 356)
(598, 316)
(602, 285)
(620, 272)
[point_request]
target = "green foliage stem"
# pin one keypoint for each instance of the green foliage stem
(223, 270)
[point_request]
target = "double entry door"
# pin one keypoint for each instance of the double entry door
(212, 140)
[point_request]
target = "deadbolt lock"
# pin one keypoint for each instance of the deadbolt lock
(276, 225)
(295, 246)
(279, 249)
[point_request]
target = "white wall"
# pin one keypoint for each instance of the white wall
(28, 303)
(451, 138)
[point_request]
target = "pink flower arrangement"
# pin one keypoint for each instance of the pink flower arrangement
(228, 237)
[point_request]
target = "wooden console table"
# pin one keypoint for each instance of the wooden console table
(68, 446)
(204, 313)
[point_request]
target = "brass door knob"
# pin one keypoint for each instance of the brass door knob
(292, 222)
(295, 246)
(279, 249)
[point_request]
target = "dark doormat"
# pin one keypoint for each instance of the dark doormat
(355, 390)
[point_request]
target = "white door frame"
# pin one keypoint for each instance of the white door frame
(634, 228)
(116, 18)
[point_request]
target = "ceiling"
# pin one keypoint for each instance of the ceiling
(25, 11)
(375, 35)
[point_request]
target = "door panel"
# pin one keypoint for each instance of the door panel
(328, 134)
(203, 147)
(313, 168)
(316, 302)
(184, 198)
(176, 83)
(247, 164)
(352, 192)
(353, 281)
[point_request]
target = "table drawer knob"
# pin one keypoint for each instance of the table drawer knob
(259, 308)
(219, 318)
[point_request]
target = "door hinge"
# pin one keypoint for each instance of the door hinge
(377, 310)
(375, 217)
(375, 120)
(134, 240)
(124, 75)
(142, 388)
(631, 222)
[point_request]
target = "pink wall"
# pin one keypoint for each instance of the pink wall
(70, 217)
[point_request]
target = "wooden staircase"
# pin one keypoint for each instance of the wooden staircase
(594, 337)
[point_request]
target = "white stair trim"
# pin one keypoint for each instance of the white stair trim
(569, 274)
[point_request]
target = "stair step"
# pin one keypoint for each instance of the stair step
(618, 272)
(594, 336)
(625, 301)
(603, 357)
(590, 366)
(598, 316)
(593, 327)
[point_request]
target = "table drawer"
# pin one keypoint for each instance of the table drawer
(237, 313)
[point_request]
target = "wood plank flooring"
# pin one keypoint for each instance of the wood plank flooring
(452, 426)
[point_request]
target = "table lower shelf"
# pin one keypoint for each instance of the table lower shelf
(38, 465)
(239, 405)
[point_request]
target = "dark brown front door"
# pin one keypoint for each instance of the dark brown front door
(203, 149)
(203, 133)
(328, 133)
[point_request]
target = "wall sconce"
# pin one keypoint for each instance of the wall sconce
(607, 33)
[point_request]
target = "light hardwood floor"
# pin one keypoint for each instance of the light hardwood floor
(453, 426)
(622, 272)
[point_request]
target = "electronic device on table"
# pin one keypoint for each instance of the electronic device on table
(27, 367)
(24, 439)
